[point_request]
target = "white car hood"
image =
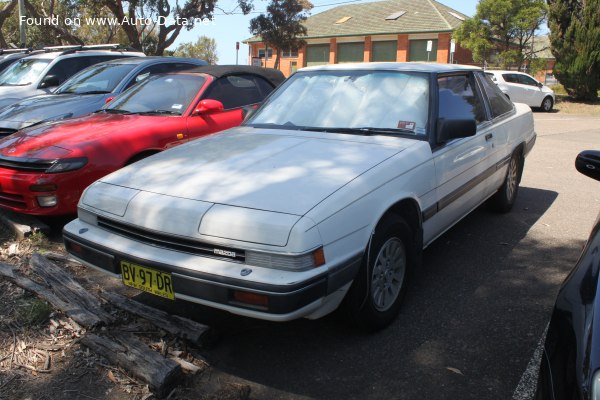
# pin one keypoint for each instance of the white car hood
(273, 170)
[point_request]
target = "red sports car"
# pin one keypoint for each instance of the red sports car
(44, 169)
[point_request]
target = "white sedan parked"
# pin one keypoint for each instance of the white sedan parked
(327, 194)
(523, 88)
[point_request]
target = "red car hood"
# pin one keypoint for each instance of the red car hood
(58, 139)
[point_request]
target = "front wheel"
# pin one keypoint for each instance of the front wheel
(506, 196)
(547, 104)
(375, 296)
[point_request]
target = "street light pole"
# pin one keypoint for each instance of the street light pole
(22, 33)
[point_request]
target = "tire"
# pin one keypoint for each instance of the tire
(547, 104)
(375, 297)
(505, 197)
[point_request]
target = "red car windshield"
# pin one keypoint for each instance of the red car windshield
(160, 94)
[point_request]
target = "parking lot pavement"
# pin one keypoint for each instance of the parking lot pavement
(473, 315)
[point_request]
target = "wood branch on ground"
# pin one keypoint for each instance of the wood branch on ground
(65, 287)
(71, 307)
(134, 356)
(184, 328)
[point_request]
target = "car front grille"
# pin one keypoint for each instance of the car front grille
(171, 242)
(12, 200)
(25, 164)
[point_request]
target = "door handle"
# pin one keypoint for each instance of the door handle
(488, 137)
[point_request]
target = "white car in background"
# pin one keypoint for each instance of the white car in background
(522, 88)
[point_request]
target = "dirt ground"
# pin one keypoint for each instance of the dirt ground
(40, 354)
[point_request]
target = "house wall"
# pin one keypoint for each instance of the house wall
(461, 56)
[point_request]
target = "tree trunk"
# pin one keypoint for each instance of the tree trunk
(5, 13)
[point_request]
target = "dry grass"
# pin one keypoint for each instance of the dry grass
(568, 106)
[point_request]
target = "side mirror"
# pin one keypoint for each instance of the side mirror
(588, 163)
(455, 128)
(540, 85)
(49, 81)
(208, 106)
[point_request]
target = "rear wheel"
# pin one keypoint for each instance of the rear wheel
(375, 296)
(547, 104)
(506, 196)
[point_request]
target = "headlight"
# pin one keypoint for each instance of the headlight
(66, 164)
(87, 216)
(302, 262)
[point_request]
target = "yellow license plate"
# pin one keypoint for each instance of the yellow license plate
(147, 279)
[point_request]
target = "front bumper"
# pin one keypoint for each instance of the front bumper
(213, 281)
(16, 195)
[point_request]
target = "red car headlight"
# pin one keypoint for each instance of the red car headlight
(67, 164)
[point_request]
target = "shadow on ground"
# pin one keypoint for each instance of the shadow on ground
(470, 322)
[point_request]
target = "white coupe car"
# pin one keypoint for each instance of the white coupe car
(522, 88)
(327, 194)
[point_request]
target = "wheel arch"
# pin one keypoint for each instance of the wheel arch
(409, 209)
(141, 155)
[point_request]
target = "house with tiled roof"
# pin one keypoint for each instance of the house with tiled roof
(390, 30)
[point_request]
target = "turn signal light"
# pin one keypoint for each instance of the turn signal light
(319, 257)
(251, 298)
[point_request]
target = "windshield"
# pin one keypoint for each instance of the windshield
(23, 72)
(96, 79)
(160, 94)
(336, 99)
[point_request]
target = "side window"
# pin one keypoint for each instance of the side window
(264, 87)
(459, 99)
(499, 103)
(510, 78)
(526, 80)
(146, 72)
(68, 67)
(234, 91)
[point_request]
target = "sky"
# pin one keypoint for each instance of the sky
(227, 29)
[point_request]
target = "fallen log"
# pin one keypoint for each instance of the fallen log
(71, 307)
(184, 328)
(65, 287)
(129, 353)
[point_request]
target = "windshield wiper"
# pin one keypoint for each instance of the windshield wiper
(365, 130)
(113, 111)
(158, 112)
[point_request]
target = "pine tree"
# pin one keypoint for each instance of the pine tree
(575, 42)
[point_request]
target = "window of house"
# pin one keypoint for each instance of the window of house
(261, 53)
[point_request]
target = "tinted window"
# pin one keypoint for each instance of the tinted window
(264, 86)
(64, 69)
(511, 78)
(527, 80)
(499, 103)
(459, 99)
(161, 94)
(234, 91)
(96, 79)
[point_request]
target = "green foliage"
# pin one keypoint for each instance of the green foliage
(205, 49)
(575, 41)
(502, 28)
(32, 311)
(281, 26)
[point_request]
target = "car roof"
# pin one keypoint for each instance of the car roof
(408, 66)
(152, 60)
(272, 75)
(502, 71)
(85, 53)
